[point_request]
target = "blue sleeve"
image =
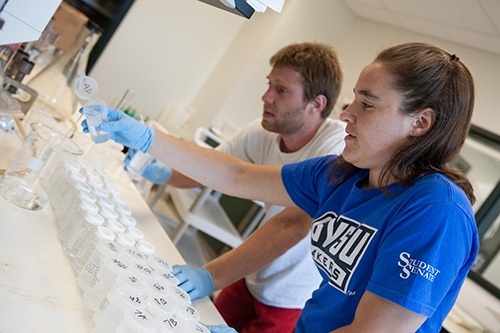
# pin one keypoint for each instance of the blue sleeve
(424, 256)
(304, 180)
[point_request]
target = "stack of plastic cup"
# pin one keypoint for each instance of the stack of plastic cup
(94, 263)
(135, 233)
(82, 205)
(126, 280)
(80, 231)
(101, 235)
(160, 307)
(115, 226)
(113, 266)
(110, 313)
(137, 320)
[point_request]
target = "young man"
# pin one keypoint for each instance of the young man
(265, 293)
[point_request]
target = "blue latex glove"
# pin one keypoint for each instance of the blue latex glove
(156, 171)
(197, 282)
(220, 329)
(126, 130)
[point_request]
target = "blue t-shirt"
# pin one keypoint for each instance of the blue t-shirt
(413, 248)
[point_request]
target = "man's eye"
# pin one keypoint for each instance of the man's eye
(366, 105)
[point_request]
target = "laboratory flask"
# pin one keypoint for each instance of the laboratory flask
(28, 180)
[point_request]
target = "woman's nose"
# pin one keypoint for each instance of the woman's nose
(345, 114)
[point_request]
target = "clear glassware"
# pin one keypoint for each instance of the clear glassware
(26, 181)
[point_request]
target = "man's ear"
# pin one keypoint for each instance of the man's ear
(423, 122)
(319, 103)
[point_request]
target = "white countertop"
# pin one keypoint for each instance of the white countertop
(38, 291)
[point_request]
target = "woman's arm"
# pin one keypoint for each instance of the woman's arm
(378, 315)
(220, 171)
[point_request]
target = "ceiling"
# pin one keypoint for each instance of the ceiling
(474, 23)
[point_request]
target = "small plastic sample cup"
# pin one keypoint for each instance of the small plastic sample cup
(96, 112)
(137, 320)
(101, 234)
(86, 87)
(139, 163)
(109, 315)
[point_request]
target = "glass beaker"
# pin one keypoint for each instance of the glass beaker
(27, 182)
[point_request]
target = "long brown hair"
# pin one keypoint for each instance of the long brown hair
(427, 77)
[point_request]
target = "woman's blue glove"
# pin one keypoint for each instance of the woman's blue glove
(220, 329)
(197, 282)
(126, 130)
(156, 171)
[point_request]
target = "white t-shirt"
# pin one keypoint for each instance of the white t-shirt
(288, 281)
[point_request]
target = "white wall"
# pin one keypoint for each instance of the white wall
(164, 50)
(189, 54)
(366, 38)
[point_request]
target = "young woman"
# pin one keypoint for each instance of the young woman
(393, 231)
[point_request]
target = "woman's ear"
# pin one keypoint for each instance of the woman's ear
(423, 122)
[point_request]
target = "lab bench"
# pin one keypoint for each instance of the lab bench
(38, 290)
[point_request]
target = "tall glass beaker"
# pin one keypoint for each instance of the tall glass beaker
(28, 180)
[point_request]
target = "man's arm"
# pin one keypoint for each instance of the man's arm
(180, 181)
(268, 242)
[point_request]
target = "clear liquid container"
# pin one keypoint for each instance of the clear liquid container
(102, 234)
(179, 295)
(112, 266)
(159, 263)
(160, 306)
(109, 314)
(96, 112)
(138, 235)
(173, 325)
(80, 232)
(137, 320)
(123, 210)
(115, 226)
(66, 209)
(108, 214)
(126, 280)
(200, 328)
(82, 207)
(25, 182)
(188, 315)
(127, 221)
(94, 263)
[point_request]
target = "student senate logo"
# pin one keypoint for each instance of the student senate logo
(417, 267)
(338, 244)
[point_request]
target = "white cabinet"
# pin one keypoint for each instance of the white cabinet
(24, 20)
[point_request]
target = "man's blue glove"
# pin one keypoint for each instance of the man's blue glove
(126, 130)
(220, 329)
(156, 171)
(197, 282)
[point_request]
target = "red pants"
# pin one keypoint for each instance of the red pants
(244, 313)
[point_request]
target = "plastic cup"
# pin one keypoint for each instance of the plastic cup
(96, 112)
